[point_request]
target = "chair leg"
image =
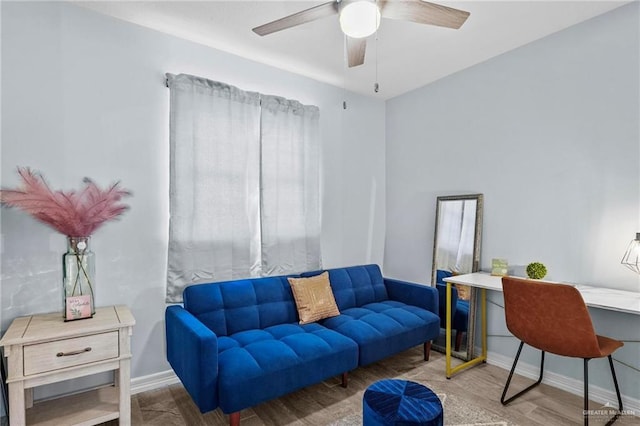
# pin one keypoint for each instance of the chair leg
(586, 392)
(585, 411)
(615, 383)
(513, 369)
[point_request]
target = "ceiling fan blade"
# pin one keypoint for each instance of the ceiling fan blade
(355, 51)
(423, 12)
(307, 15)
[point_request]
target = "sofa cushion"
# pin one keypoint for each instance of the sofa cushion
(314, 298)
(385, 328)
(233, 306)
(356, 285)
(277, 360)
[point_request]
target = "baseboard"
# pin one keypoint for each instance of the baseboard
(153, 381)
(565, 383)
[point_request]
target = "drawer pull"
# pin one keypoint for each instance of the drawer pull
(81, 351)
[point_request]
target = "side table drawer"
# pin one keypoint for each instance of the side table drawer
(43, 357)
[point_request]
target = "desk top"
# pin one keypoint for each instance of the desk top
(595, 297)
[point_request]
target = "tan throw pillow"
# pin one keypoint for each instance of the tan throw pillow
(314, 298)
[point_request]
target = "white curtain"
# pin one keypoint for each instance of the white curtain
(290, 183)
(456, 235)
(224, 147)
(464, 257)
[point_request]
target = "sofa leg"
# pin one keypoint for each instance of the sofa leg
(345, 379)
(458, 340)
(427, 350)
(234, 419)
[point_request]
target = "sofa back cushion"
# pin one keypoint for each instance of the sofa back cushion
(233, 306)
(356, 285)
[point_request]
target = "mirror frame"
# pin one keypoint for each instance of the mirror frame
(475, 266)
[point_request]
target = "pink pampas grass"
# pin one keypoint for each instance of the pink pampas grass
(74, 214)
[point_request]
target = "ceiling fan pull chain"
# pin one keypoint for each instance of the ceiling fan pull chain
(345, 55)
(376, 86)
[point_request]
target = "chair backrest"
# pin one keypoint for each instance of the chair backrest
(551, 317)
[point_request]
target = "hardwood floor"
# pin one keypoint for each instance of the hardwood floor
(471, 396)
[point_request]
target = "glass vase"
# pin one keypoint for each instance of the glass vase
(78, 269)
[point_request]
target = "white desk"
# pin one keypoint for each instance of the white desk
(595, 297)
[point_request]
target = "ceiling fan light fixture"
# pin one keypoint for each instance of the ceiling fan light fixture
(359, 19)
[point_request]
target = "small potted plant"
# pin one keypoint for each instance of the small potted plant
(536, 270)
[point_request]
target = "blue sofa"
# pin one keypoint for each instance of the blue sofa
(238, 343)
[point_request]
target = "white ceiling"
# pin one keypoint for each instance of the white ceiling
(409, 55)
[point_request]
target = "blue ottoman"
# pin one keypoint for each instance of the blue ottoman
(400, 402)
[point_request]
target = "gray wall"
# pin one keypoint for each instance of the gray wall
(83, 95)
(549, 133)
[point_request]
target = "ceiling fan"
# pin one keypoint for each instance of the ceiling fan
(361, 18)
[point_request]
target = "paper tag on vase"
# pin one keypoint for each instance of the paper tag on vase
(78, 307)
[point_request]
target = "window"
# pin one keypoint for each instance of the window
(244, 191)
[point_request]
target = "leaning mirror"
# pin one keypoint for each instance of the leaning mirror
(456, 251)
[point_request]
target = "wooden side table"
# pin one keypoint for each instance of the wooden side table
(43, 349)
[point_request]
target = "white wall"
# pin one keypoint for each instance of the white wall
(550, 134)
(83, 95)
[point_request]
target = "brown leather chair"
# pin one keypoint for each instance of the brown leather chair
(554, 318)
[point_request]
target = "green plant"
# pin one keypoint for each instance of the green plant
(536, 270)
